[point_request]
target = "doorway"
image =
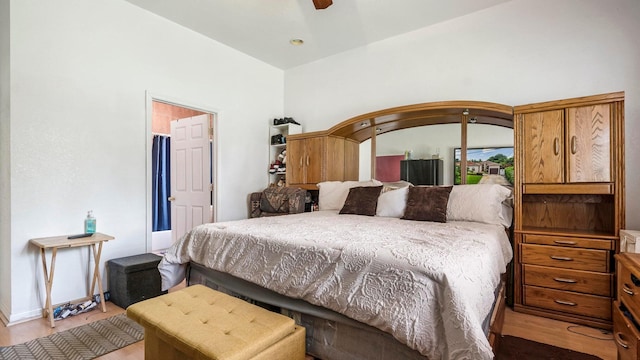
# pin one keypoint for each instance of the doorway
(165, 220)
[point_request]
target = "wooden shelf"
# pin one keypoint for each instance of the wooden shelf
(286, 130)
(587, 188)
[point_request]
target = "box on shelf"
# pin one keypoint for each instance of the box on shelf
(628, 240)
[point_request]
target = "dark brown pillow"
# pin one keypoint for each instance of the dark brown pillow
(362, 200)
(427, 203)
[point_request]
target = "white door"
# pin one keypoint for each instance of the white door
(190, 174)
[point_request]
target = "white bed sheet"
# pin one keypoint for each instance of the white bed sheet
(428, 284)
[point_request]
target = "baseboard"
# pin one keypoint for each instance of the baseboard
(20, 318)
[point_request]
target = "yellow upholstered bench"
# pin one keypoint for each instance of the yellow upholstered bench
(200, 323)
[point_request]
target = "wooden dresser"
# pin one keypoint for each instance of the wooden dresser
(626, 310)
(569, 207)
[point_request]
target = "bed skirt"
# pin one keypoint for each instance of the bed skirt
(330, 335)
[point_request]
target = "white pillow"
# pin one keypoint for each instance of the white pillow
(392, 203)
(480, 203)
(332, 194)
(388, 186)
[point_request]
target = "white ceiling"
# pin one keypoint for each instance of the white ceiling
(263, 28)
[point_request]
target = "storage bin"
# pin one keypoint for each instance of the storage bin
(628, 241)
(134, 278)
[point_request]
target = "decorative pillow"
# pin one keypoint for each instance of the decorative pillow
(332, 194)
(388, 186)
(362, 200)
(485, 203)
(274, 200)
(392, 203)
(427, 203)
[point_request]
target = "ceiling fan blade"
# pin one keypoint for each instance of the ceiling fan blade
(322, 4)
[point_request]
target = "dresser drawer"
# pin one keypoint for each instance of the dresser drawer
(602, 244)
(625, 335)
(568, 302)
(568, 258)
(587, 282)
(629, 288)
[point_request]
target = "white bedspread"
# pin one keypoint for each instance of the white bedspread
(428, 284)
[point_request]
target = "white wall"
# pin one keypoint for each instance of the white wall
(520, 52)
(79, 74)
(5, 189)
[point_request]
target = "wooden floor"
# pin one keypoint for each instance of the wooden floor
(540, 329)
(561, 334)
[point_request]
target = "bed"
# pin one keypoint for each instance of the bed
(377, 286)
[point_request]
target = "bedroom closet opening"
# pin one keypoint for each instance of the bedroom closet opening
(181, 179)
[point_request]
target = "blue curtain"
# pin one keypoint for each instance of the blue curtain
(161, 183)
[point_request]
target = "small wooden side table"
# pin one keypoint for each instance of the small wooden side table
(60, 242)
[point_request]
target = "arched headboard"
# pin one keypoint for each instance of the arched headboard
(334, 155)
(368, 126)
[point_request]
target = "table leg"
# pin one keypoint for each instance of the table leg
(48, 279)
(96, 275)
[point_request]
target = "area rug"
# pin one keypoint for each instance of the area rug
(80, 343)
(520, 349)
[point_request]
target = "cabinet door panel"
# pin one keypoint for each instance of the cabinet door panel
(589, 143)
(334, 168)
(543, 147)
(295, 161)
(314, 158)
(351, 160)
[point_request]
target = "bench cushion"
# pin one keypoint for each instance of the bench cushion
(204, 323)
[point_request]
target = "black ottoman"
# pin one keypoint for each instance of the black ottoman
(134, 278)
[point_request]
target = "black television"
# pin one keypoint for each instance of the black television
(491, 164)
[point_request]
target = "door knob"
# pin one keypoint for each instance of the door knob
(171, 198)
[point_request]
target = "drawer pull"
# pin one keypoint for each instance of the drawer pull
(565, 242)
(621, 342)
(562, 302)
(561, 258)
(627, 290)
(563, 280)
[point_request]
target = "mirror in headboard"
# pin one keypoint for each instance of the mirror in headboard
(427, 134)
